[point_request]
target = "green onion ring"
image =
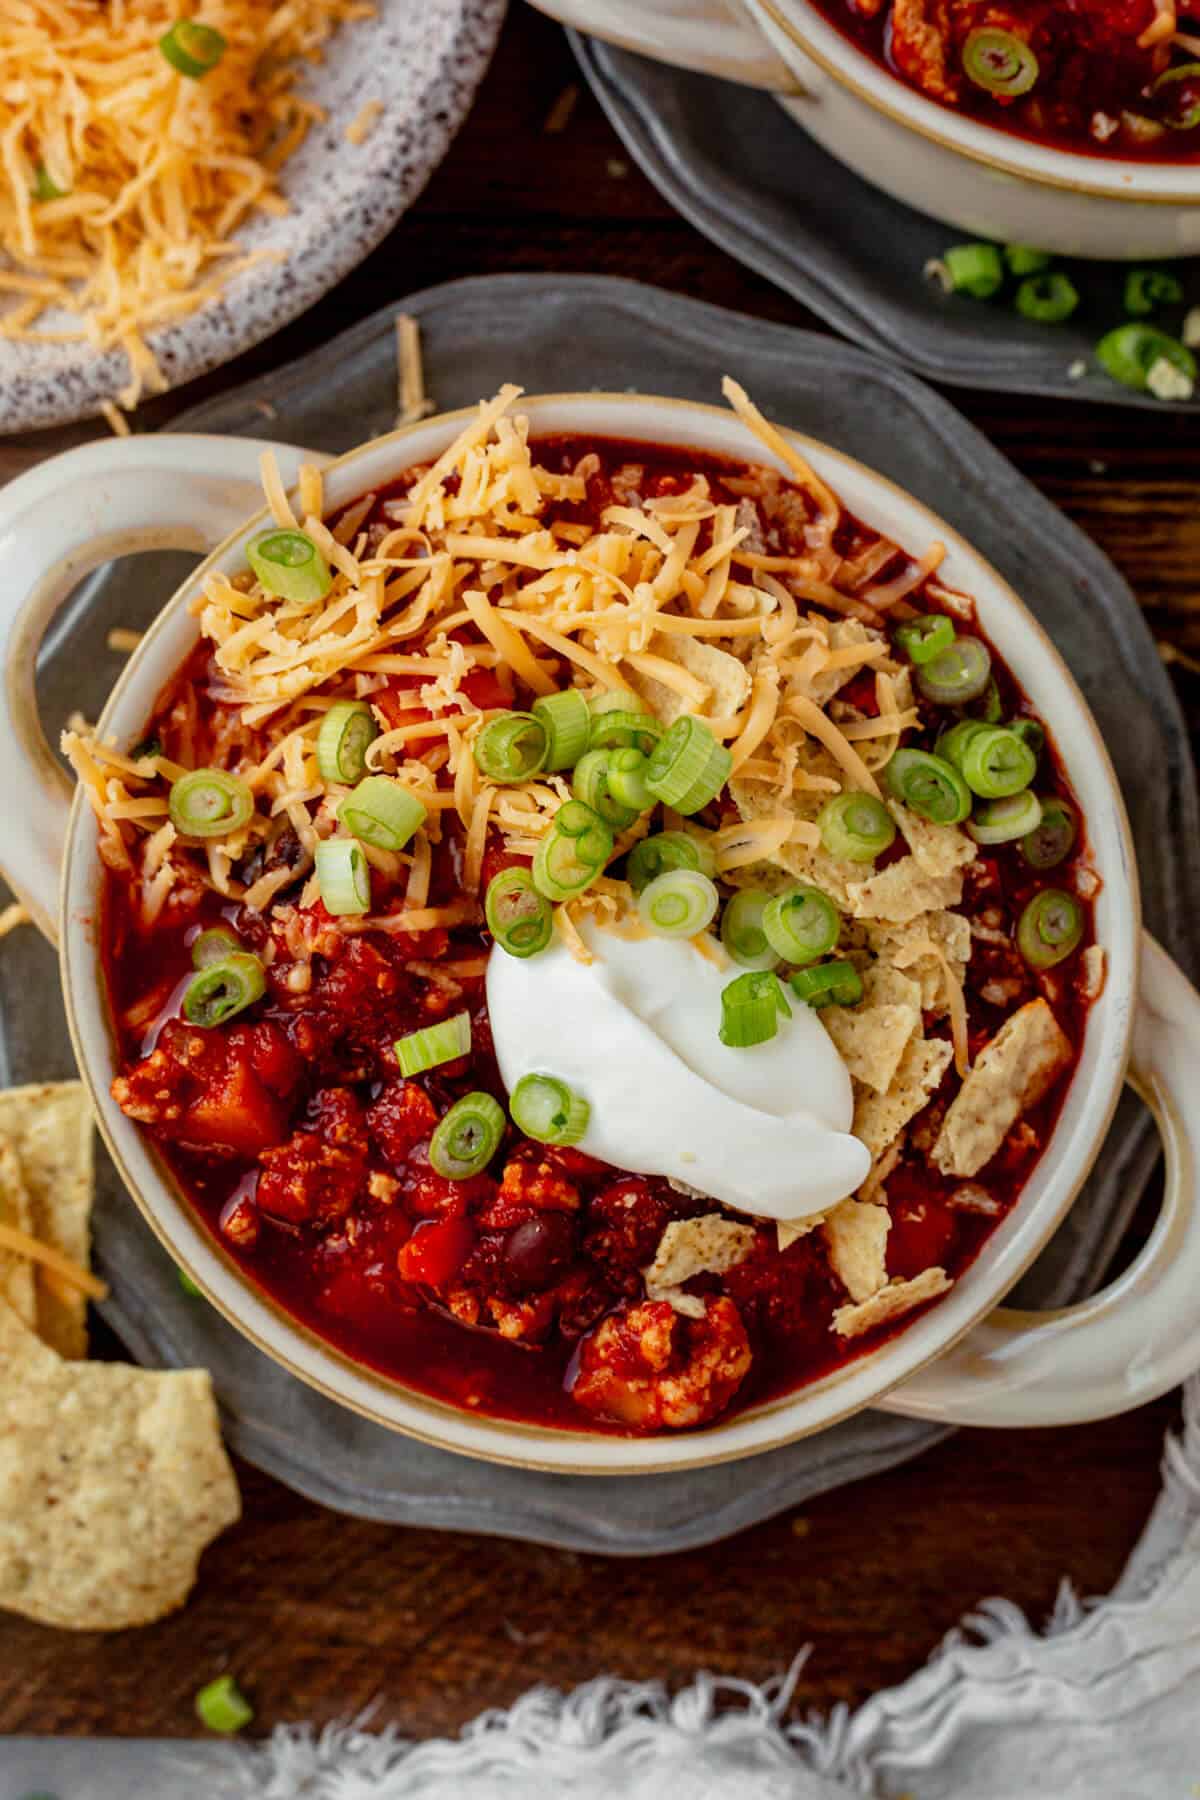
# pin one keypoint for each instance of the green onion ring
(957, 674)
(680, 903)
(209, 803)
(1052, 840)
(999, 62)
(572, 853)
(1032, 731)
(1023, 259)
(519, 918)
(467, 1137)
(222, 1707)
(511, 747)
(856, 827)
(1000, 821)
(1130, 352)
(590, 783)
(952, 740)
(213, 946)
(1148, 289)
(742, 933)
(922, 639)
(347, 731)
(343, 877)
(801, 924)
(1049, 928)
(996, 762)
(566, 720)
(620, 720)
(381, 811)
(436, 1044)
(1181, 111)
(688, 767)
(828, 984)
(974, 269)
(929, 785)
(223, 988)
(547, 1110)
(193, 50)
(627, 778)
(1048, 299)
(289, 565)
(668, 850)
(751, 1006)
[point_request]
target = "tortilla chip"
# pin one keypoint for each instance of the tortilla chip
(708, 1245)
(16, 1272)
(842, 632)
(50, 1127)
(889, 1303)
(112, 1481)
(1012, 1073)
(728, 678)
(856, 1238)
(886, 986)
(788, 1230)
(880, 1118)
(912, 947)
(871, 1039)
(901, 892)
(937, 849)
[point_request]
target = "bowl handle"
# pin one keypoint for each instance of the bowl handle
(58, 522)
(715, 37)
(1138, 1337)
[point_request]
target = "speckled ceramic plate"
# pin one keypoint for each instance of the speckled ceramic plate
(423, 59)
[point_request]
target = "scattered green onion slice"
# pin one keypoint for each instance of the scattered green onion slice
(519, 918)
(1000, 821)
(572, 853)
(547, 1110)
(565, 719)
(1053, 838)
(957, 674)
(996, 762)
(620, 719)
(221, 1706)
(856, 827)
(381, 811)
(224, 988)
(194, 50)
(343, 876)
(590, 783)
(987, 707)
(921, 639)
(999, 61)
(347, 730)
(667, 850)
(209, 803)
(511, 747)
(801, 924)
(627, 778)
(953, 740)
(828, 984)
(974, 269)
(1148, 289)
(688, 767)
(187, 1285)
(751, 1006)
(45, 187)
(467, 1137)
(1032, 731)
(1023, 259)
(1049, 928)
(436, 1044)
(1179, 111)
(679, 904)
(930, 785)
(1130, 352)
(289, 565)
(213, 946)
(742, 933)
(1048, 298)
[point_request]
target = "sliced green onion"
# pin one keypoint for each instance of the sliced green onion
(921, 639)
(209, 803)
(187, 1285)
(1049, 298)
(987, 707)
(1031, 731)
(1179, 110)
(620, 720)
(519, 918)
(467, 1137)
(974, 269)
(511, 747)
(194, 50)
(1049, 928)
(856, 827)
(1000, 821)
(953, 740)
(343, 876)
(45, 187)
(346, 732)
(688, 767)
(547, 1110)
(221, 1706)
(996, 762)
(741, 930)
(436, 1044)
(572, 853)
(627, 778)
(1053, 838)
(828, 984)
(1130, 352)
(1023, 259)
(667, 850)
(224, 988)
(929, 785)
(751, 1007)
(566, 721)
(801, 924)
(999, 62)
(289, 565)
(679, 904)
(590, 783)
(213, 946)
(957, 674)
(1148, 289)
(381, 811)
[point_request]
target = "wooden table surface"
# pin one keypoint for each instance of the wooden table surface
(320, 1615)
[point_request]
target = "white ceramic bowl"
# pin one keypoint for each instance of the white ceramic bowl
(973, 176)
(1132, 1342)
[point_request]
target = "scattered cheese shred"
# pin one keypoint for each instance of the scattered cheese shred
(21, 1244)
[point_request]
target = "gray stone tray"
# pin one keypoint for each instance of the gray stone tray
(749, 177)
(563, 333)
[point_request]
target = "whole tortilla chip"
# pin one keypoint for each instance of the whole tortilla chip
(16, 1271)
(50, 1127)
(112, 1481)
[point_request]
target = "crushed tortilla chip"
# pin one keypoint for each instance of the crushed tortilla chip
(856, 1240)
(707, 1245)
(789, 1230)
(723, 674)
(880, 1118)
(871, 1039)
(49, 1126)
(891, 1302)
(937, 850)
(1011, 1074)
(901, 892)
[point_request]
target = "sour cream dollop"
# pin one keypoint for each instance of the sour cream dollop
(764, 1129)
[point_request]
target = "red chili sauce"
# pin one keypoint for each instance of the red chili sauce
(1095, 87)
(302, 1149)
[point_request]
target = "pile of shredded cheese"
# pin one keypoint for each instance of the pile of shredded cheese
(156, 172)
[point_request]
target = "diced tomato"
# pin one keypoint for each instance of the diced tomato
(435, 1253)
(487, 689)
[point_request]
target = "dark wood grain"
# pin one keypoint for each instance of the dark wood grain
(321, 1615)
